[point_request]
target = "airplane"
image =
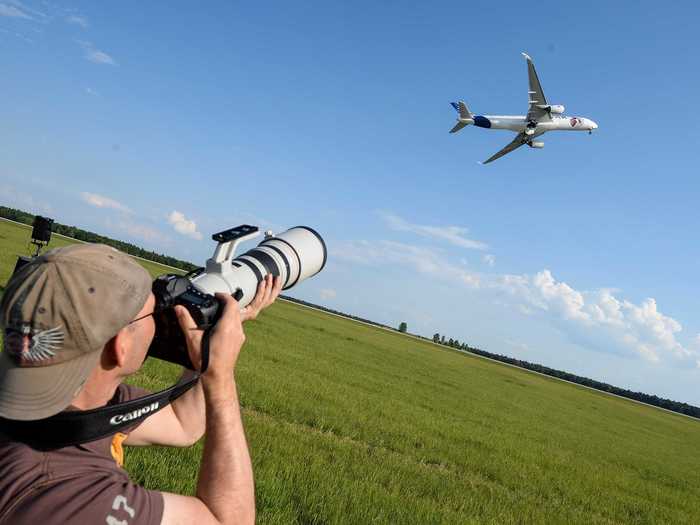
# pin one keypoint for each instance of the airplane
(541, 117)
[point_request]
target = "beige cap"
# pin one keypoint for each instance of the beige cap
(57, 313)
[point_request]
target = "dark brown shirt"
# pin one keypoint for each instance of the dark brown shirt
(79, 484)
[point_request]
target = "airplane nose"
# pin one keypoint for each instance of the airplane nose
(594, 125)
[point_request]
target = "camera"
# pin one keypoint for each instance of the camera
(293, 255)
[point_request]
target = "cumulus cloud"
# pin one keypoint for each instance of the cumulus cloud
(454, 235)
(183, 225)
(100, 201)
(423, 260)
(327, 293)
(78, 21)
(140, 231)
(95, 55)
(600, 320)
(12, 11)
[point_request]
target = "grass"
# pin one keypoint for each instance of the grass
(352, 424)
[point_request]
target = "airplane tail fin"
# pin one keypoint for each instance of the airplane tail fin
(465, 116)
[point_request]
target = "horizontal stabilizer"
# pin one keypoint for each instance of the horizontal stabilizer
(458, 126)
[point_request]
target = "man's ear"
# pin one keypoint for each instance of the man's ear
(115, 350)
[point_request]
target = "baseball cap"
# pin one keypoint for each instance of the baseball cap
(57, 314)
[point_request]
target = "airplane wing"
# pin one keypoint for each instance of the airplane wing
(518, 141)
(535, 94)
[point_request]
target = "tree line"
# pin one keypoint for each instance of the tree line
(88, 236)
(668, 404)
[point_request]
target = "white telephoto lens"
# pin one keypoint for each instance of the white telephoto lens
(294, 255)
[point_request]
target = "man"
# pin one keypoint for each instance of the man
(77, 321)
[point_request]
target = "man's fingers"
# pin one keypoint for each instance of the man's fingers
(259, 299)
(231, 313)
(267, 291)
(277, 288)
(185, 319)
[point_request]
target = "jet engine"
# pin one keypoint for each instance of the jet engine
(538, 145)
(557, 109)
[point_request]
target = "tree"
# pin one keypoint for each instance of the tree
(442, 339)
(436, 338)
(403, 327)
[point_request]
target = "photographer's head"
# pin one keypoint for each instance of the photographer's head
(64, 314)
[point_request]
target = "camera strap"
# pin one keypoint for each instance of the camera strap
(82, 426)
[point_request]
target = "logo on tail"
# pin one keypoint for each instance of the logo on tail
(465, 116)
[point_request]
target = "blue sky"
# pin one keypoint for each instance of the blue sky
(161, 123)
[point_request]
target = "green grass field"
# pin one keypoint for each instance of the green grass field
(352, 424)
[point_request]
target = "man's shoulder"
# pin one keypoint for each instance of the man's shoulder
(21, 469)
(91, 498)
(71, 485)
(76, 484)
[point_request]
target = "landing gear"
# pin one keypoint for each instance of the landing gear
(530, 129)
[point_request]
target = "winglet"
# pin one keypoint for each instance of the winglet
(526, 56)
(455, 105)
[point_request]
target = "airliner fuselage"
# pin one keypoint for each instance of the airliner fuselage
(519, 123)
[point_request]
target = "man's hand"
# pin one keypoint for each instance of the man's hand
(268, 290)
(225, 340)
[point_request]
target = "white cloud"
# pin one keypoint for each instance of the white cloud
(91, 92)
(13, 12)
(95, 55)
(452, 234)
(489, 259)
(100, 201)
(28, 11)
(141, 231)
(183, 225)
(78, 20)
(599, 320)
(602, 321)
(423, 260)
(327, 293)
(99, 57)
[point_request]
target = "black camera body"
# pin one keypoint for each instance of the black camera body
(169, 342)
(172, 290)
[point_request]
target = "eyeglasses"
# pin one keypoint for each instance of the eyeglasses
(155, 311)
